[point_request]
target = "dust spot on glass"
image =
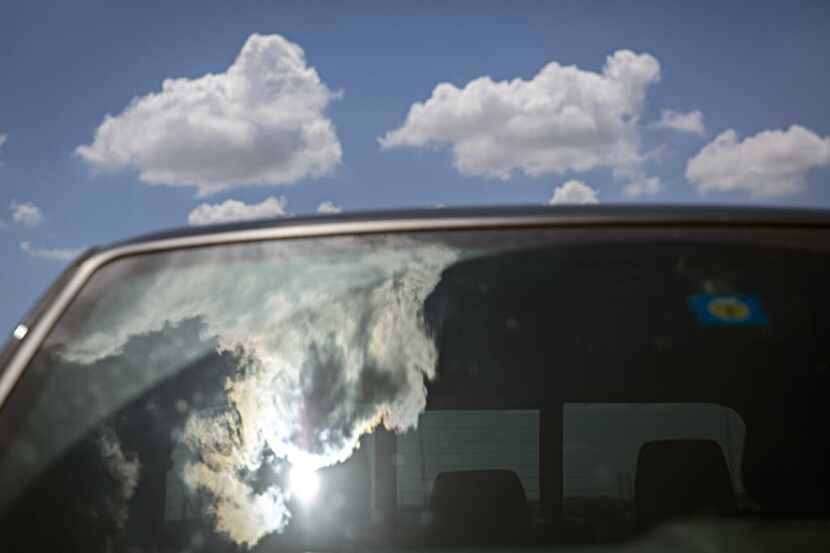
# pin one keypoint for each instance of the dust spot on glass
(338, 501)
(473, 369)
(712, 286)
(512, 323)
(602, 476)
(350, 531)
(377, 516)
(197, 540)
(483, 288)
(181, 406)
(26, 453)
(453, 366)
(426, 518)
(154, 410)
(198, 398)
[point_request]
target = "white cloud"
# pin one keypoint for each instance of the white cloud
(564, 119)
(642, 185)
(234, 210)
(691, 122)
(770, 163)
(574, 192)
(56, 254)
(27, 214)
(328, 207)
(3, 138)
(261, 122)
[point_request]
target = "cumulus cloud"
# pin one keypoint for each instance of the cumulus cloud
(328, 207)
(234, 210)
(691, 122)
(574, 192)
(642, 185)
(770, 163)
(261, 122)
(564, 119)
(328, 341)
(27, 214)
(55, 254)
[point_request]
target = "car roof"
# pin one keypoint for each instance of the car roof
(504, 216)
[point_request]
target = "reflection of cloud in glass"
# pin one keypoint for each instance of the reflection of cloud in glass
(124, 469)
(328, 344)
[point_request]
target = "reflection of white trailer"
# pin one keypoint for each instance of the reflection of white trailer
(467, 440)
(602, 441)
(600, 445)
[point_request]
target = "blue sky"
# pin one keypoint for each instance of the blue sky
(749, 67)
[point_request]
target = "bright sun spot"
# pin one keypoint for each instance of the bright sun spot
(303, 482)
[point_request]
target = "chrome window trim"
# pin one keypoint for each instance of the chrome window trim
(386, 222)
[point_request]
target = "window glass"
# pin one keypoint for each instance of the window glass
(447, 441)
(517, 388)
(602, 444)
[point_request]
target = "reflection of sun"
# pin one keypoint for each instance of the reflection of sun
(303, 482)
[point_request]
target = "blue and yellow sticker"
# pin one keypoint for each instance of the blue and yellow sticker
(727, 310)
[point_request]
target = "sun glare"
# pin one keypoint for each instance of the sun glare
(303, 483)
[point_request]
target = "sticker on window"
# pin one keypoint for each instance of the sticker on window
(727, 309)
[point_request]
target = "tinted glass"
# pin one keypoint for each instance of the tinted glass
(642, 388)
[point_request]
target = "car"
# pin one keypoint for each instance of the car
(636, 377)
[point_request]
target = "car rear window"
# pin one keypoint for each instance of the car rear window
(535, 388)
